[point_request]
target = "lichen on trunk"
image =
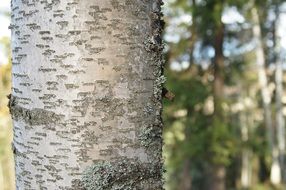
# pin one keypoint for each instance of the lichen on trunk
(86, 94)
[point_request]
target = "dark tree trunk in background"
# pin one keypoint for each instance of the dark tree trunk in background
(218, 172)
(186, 178)
(193, 38)
(218, 87)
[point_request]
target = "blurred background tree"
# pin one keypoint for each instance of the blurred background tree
(6, 158)
(225, 129)
(225, 62)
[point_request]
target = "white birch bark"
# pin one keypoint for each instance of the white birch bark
(275, 175)
(246, 170)
(280, 122)
(1, 176)
(86, 94)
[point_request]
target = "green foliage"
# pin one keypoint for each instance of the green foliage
(193, 132)
(193, 135)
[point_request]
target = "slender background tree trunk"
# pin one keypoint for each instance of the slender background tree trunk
(86, 94)
(266, 97)
(280, 122)
(186, 178)
(246, 169)
(218, 172)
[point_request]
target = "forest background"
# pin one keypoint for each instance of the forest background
(225, 62)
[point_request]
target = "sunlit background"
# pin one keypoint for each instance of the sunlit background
(195, 142)
(6, 158)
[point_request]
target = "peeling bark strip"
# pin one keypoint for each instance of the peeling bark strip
(86, 98)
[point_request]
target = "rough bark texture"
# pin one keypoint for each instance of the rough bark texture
(86, 95)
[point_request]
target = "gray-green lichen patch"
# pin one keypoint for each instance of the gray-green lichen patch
(31, 116)
(158, 86)
(154, 46)
(123, 174)
(150, 135)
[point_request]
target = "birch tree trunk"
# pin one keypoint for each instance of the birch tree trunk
(1, 177)
(266, 97)
(246, 170)
(280, 122)
(86, 94)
